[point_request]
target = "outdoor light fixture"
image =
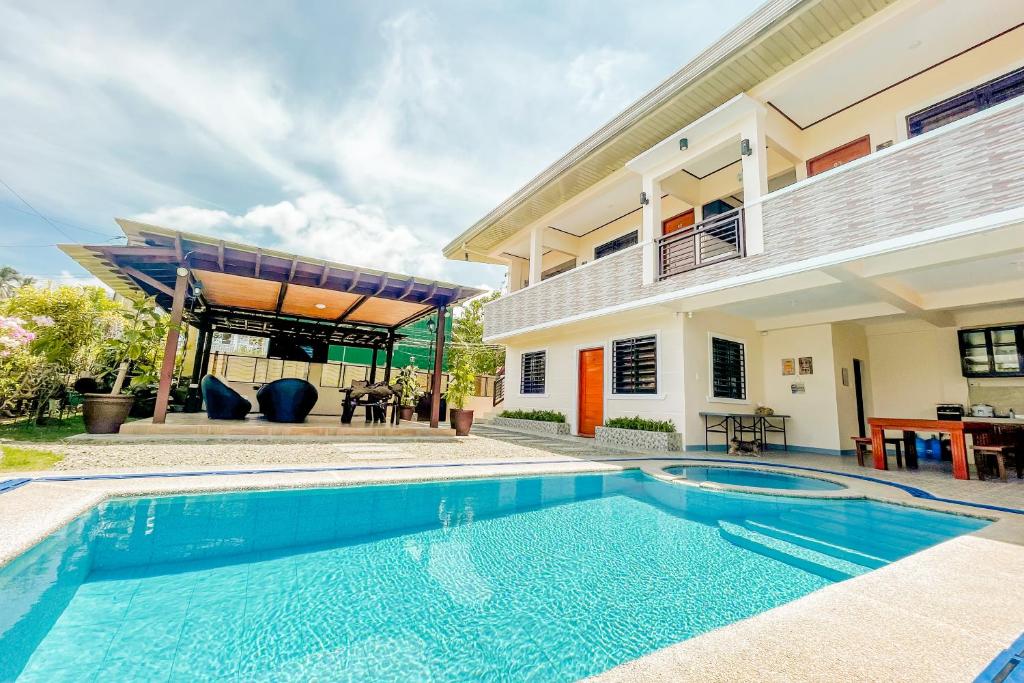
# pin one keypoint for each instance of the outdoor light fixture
(320, 306)
(644, 201)
(745, 149)
(182, 272)
(683, 144)
(431, 326)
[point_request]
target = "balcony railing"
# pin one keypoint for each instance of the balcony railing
(716, 239)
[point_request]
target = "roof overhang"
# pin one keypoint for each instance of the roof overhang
(246, 288)
(776, 35)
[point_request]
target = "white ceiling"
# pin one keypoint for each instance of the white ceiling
(793, 303)
(618, 199)
(996, 270)
(925, 34)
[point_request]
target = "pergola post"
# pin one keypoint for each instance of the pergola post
(373, 365)
(435, 379)
(390, 357)
(194, 401)
(197, 361)
(163, 392)
(205, 367)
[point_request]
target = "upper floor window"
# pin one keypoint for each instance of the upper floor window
(728, 369)
(635, 365)
(533, 372)
(966, 103)
(617, 244)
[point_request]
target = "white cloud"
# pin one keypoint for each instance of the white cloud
(320, 224)
(602, 78)
(66, 278)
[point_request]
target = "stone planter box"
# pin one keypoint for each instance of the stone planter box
(637, 440)
(535, 426)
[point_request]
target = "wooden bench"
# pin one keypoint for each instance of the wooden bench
(862, 445)
(998, 452)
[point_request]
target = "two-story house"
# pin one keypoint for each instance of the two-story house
(822, 213)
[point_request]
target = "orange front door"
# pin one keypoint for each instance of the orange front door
(591, 390)
(683, 220)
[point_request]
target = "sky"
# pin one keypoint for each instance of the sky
(369, 133)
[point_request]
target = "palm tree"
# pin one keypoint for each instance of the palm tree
(11, 280)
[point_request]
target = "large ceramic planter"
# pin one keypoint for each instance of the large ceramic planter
(105, 413)
(406, 413)
(534, 426)
(638, 440)
(462, 421)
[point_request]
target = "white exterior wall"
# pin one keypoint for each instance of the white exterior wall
(699, 330)
(562, 364)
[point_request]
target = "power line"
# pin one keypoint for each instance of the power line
(36, 212)
(8, 207)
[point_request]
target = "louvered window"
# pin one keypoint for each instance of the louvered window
(617, 244)
(986, 95)
(728, 369)
(532, 381)
(635, 365)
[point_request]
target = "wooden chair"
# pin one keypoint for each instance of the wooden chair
(862, 445)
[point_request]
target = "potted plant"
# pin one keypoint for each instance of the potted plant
(132, 351)
(409, 390)
(461, 384)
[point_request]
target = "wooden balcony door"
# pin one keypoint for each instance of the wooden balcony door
(840, 155)
(677, 222)
(591, 386)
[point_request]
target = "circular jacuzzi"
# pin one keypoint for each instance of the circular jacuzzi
(735, 476)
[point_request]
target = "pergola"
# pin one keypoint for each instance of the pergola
(220, 286)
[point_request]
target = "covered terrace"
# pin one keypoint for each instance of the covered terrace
(302, 305)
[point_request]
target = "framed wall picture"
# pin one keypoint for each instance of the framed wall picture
(797, 388)
(788, 366)
(806, 365)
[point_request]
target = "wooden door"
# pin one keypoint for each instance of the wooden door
(839, 156)
(678, 222)
(591, 399)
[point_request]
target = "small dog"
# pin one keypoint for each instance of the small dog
(737, 447)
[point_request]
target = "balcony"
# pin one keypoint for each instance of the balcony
(921, 189)
(716, 239)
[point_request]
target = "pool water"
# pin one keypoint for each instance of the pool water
(755, 478)
(535, 578)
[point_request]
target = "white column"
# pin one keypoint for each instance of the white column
(536, 254)
(650, 229)
(755, 180)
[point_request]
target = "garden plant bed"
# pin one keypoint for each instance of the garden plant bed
(536, 426)
(638, 439)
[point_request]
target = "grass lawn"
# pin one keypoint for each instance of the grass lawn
(53, 430)
(23, 459)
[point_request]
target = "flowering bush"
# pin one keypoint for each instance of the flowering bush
(13, 335)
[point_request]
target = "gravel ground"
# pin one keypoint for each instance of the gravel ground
(154, 455)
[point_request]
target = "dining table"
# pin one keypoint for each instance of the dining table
(956, 430)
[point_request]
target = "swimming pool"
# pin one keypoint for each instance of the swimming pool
(543, 578)
(754, 478)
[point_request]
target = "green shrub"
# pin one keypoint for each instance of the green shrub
(538, 415)
(641, 424)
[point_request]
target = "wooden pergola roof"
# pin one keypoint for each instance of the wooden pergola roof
(246, 289)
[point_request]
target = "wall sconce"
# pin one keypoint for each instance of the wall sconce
(683, 144)
(644, 201)
(745, 149)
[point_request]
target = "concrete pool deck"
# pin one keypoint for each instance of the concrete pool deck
(940, 615)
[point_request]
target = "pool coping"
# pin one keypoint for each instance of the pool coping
(67, 496)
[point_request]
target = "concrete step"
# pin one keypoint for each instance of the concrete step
(825, 566)
(817, 545)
